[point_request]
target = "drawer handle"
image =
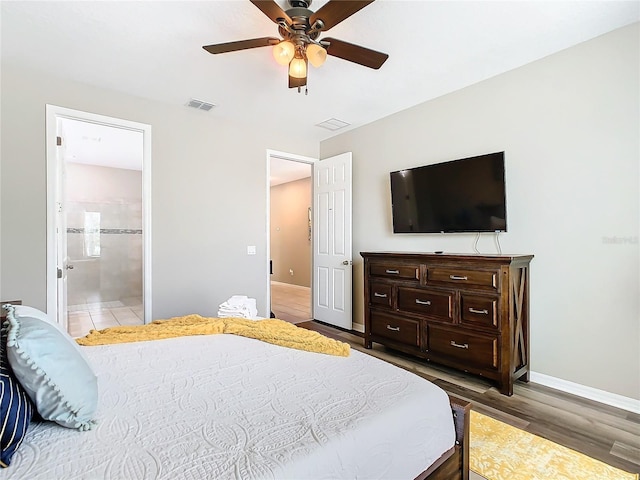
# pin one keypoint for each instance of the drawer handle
(381, 295)
(457, 345)
(482, 312)
(423, 302)
(458, 277)
(392, 272)
(395, 329)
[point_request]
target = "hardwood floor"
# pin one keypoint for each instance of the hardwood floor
(600, 431)
(291, 303)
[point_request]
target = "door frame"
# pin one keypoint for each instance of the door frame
(294, 158)
(53, 112)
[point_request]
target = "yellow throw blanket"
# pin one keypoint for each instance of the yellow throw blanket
(277, 332)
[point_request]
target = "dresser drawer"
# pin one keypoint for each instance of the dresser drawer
(405, 272)
(401, 330)
(380, 294)
(475, 350)
(426, 302)
(481, 278)
(479, 311)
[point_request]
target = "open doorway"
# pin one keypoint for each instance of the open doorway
(103, 205)
(290, 238)
(98, 272)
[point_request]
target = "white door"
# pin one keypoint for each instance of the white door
(62, 260)
(332, 270)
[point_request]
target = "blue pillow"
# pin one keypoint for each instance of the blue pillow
(52, 369)
(26, 311)
(15, 407)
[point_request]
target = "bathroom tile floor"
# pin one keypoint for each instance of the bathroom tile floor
(98, 315)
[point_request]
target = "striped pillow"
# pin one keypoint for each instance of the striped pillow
(15, 407)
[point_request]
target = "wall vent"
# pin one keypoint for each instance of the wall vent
(200, 105)
(333, 124)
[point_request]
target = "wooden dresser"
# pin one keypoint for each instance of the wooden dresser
(466, 311)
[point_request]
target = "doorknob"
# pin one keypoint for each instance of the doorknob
(347, 262)
(69, 267)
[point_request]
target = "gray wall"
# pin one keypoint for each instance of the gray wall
(208, 194)
(569, 125)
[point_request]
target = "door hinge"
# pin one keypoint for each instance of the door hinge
(59, 272)
(58, 141)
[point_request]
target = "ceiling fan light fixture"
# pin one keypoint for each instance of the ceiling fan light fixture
(316, 54)
(298, 68)
(299, 29)
(284, 52)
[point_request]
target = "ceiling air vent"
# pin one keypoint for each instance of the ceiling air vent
(333, 124)
(200, 105)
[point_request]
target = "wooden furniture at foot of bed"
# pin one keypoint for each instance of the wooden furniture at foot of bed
(456, 465)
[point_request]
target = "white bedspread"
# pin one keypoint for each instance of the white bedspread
(227, 407)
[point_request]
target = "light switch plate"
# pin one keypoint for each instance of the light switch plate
(251, 250)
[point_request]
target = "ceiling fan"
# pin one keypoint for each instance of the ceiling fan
(300, 28)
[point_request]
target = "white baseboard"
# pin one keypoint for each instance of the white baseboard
(584, 391)
(358, 327)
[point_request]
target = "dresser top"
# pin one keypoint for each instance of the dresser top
(451, 256)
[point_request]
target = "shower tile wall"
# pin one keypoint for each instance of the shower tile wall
(107, 267)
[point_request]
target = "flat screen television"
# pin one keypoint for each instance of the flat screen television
(466, 195)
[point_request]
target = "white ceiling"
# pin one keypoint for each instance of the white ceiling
(283, 171)
(153, 49)
(94, 144)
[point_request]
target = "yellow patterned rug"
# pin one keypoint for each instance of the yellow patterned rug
(502, 452)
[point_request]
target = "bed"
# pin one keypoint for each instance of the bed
(230, 407)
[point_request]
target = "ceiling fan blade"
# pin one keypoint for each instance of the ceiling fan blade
(241, 45)
(297, 82)
(355, 53)
(335, 11)
(272, 10)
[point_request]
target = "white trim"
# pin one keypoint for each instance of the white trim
(52, 166)
(358, 327)
(295, 158)
(146, 221)
(52, 113)
(584, 391)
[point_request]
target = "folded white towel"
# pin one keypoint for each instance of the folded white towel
(238, 306)
(238, 300)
